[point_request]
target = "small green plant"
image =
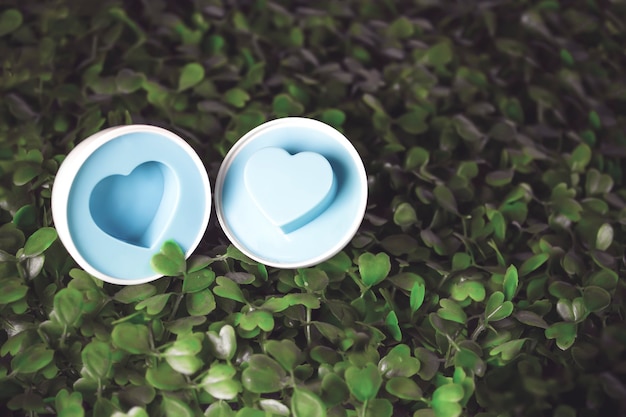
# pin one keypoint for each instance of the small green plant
(487, 276)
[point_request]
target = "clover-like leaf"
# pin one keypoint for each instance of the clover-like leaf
(285, 352)
(564, 333)
(497, 308)
(170, 261)
(374, 268)
(363, 383)
(224, 344)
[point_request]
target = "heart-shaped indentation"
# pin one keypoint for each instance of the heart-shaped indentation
(135, 208)
(290, 190)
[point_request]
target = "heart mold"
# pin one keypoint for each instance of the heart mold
(137, 207)
(290, 190)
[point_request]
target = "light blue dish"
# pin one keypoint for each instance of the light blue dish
(291, 193)
(131, 194)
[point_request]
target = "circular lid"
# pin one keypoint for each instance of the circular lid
(291, 193)
(124, 191)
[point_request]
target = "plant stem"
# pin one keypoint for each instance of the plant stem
(307, 329)
(364, 408)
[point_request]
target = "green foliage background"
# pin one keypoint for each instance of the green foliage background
(486, 279)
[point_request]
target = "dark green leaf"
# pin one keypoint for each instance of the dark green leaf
(10, 20)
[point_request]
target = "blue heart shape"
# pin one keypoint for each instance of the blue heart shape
(290, 190)
(127, 207)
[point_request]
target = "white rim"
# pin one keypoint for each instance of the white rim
(303, 123)
(72, 164)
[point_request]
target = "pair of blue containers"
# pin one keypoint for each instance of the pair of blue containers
(290, 193)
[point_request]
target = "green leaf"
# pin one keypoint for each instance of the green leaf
(399, 362)
(452, 311)
(12, 290)
(510, 282)
(496, 308)
(404, 215)
(333, 117)
(379, 407)
(285, 352)
(334, 389)
(155, 304)
(224, 344)
(445, 198)
(447, 409)
(363, 383)
(401, 28)
(284, 105)
(68, 306)
(531, 319)
(392, 324)
(508, 350)
(200, 303)
(133, 338)
(219, 409)
(191, 75)
(39, 241)
(198, 280)
(413, 122)
(604, 238)
(596, 298)
(134, 293)
(564, 333)
(532, 263)
(173, 407)
(469, 288)
(263, 375)
(219, 382)
(236, 97)
(97, 359)
(170, 261)
(416, 157)
(448, 393)
(10, 20)
(439, 54)
(580, 157)
(499, 178)
(274, 407)
(304, 403)
(312, 279)
(404, 388)
(186, 365)
(32, 359)
(163, 377)
(374, 268)
(418, 293)
(129, 81)
(227, 288)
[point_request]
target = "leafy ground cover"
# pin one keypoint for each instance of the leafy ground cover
(486, 279)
